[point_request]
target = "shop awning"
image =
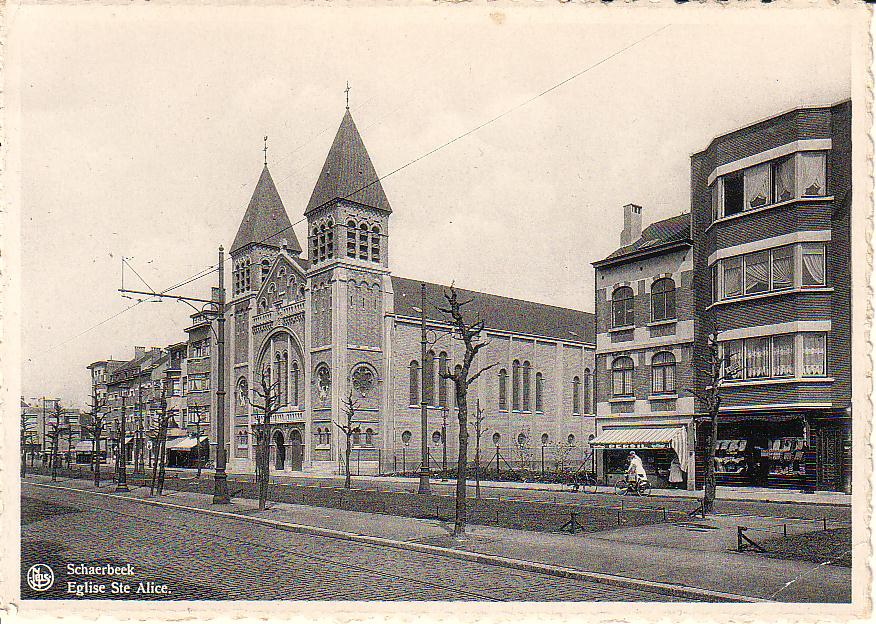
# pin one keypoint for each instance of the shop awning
(643, 438)
(182, 444)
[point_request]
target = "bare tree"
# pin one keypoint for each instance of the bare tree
(470, 336)
(97, 424)
(55, 430)
(717, 370)
(268, 392)
(26, 435)
(160, 447)
(349, 429)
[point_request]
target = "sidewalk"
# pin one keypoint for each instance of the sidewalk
(692, 555)
(759, 494)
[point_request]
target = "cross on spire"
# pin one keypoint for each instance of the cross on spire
(266, 151)
(347, 91)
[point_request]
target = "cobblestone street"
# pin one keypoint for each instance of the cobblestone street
(205, 557)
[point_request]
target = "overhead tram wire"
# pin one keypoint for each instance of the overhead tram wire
(404, 166)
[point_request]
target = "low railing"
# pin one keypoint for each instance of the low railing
(287, 417)
(264, 317)
(291, 308)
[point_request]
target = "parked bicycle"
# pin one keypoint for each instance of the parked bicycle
(584, 481)
(635, 488)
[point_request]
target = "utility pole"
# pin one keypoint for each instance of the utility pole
(424, 408)
(443, 442)
(122, 457)
(220, 480)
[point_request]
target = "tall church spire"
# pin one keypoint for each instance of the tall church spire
(348, 172)
(265, 221)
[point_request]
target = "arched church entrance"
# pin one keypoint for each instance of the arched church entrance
(280, 453)
(296, 447)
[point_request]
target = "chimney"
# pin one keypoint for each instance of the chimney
(632, 224)
(139, 352)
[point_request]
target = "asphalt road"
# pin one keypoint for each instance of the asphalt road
(179, 555)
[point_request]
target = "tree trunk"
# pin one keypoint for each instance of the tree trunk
(347, 481)
(96, 458)
(54, 459)
(478, 463)
(709, 484)
(461, 462)
(263, 465)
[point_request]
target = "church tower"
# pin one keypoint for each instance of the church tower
(350, 286)
(264, 232)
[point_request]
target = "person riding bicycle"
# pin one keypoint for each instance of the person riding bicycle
(636, 472)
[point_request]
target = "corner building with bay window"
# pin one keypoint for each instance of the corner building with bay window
(770, 212)
(339, 321)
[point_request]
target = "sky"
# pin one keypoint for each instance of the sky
(142, 133)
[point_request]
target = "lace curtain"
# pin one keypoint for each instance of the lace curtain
(757, 186)
(757, 273)
(784, 182)
(732, 277)
(813, 354)
(783, 271)
(812, 174)
(757, 363)
(813, 265)
(783, 356)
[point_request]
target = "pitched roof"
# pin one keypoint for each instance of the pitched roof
(348, 172)
(499, 313)
(265, 221)
(672, 230)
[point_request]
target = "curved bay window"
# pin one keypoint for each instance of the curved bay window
(622, 377)
(663, 373)
(663, 299)
(622, 307)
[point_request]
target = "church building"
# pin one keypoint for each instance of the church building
(338, 320)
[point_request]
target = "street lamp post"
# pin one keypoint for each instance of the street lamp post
(424, 408)
(220, 479)
(122, 457)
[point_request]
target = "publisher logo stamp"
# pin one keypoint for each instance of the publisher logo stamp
(40, 577)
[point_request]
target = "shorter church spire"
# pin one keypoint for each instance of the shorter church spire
(266, 150)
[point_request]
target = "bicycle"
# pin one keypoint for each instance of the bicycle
(638, 488)
(585, 481)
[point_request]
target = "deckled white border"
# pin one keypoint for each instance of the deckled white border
(862, 311)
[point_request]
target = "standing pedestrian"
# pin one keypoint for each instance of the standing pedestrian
(676, 476)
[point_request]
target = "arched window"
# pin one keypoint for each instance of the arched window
(429, 379)
(322, 242)
(442, 382)
(587, 386)
(351, 239)
(241, 394)
(330, 239)
(663, 373)
(296, 384)
(503, 390)
(622, 377)
(414, 376)
(319, 436)
(622, 307)
(515, 386)
(357, 437)
(328, 436)
(247, 281)
(363, 242)
(369, 437)
(663, 300)
(539, 392)
(375, 244)
(526, 369)
(576, 395)
(314, 244)
(266, 268)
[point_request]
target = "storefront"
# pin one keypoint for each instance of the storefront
(84, 451)
(764, 450)
(657, 446)
(187, 452)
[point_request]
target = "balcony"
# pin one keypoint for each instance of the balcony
(264, 317)
(290, 308)
(288, 416)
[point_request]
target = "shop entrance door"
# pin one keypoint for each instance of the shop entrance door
(829, 458)
(280, 452)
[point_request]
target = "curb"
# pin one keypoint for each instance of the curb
(678, 591)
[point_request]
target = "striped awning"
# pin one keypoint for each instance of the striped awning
(181, 444)
(643, 438)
